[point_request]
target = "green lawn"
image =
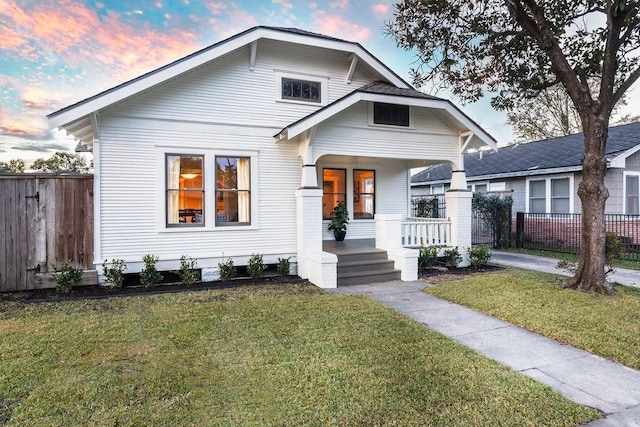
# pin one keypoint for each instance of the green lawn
(273, 355)
(607, 326)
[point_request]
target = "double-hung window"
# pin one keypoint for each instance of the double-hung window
(334, 190)
(185, 190)
(549, 195)
(233, 190)
(364, 206)
(632, 194)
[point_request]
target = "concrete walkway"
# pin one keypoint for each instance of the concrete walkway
(580, 376)
(623, 276)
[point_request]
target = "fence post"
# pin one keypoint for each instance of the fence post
(519, 229)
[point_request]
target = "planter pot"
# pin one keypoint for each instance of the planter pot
(339, 235)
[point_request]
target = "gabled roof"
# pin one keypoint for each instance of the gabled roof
(74, 117)
(535, 158)
(384, 92)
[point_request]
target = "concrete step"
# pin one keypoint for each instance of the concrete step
(361, 278)
(366, 255)
(364, 266)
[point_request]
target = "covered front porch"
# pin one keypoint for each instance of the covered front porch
(361, 261)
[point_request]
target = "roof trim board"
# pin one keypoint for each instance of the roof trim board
(118, 93)
(317, 117)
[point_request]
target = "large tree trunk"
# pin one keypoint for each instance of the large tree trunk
(590, 274)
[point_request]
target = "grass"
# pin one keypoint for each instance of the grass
(272, 355)
(607, 326)
(622, 263)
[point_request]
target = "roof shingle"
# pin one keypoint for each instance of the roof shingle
(561, 152)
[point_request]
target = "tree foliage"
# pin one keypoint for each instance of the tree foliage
(549, 115)
(517, 48)
(14, 166)
(62, 162)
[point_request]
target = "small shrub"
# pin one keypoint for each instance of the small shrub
(479, 256)
(452, 257)
(114, 274)
(65, 276)
(613, 250)
(227, 270)
(427, 257)
(284, 266)
(188, 270)
(150, 275)
(256, 266)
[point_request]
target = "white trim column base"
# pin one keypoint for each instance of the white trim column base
(323, 269)
(459, 212)
(389, 238)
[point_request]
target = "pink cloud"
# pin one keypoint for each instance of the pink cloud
(37, 97)
(339, 4)
(216, 8)
(380, 9)
(284, 3)
(312, 5)
(22, 125)
(336, 25)
(76, 35)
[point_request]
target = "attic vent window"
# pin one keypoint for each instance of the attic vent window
(390, 114)
(301, 90)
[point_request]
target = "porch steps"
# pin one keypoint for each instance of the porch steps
(365, 266)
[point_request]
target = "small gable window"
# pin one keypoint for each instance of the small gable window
(390, 114)
(301, 90)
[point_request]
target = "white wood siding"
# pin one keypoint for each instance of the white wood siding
(429, 138)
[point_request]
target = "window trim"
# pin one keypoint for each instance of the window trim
(209, 185)
(624, 190)
(547, 193)
(346, 187)
(323, 80)
(353, 191)
(201, 224)
(237, 191)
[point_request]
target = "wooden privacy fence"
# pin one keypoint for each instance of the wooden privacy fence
(45, 219)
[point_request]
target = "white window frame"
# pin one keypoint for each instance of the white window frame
(473, 185)
(497, 186)
(547, 193)
(370, 117)
(209, 188)
(624, 189)
(440, 187)
(323, 80)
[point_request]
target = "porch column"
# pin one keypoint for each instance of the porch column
(458, 202)
(319, 267)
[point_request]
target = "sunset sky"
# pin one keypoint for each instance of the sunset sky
(56, 52)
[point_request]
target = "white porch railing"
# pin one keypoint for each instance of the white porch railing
(418, 232)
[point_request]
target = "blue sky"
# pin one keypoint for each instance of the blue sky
(56, 52)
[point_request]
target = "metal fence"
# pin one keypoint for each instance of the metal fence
(431, 206)
(562, 232)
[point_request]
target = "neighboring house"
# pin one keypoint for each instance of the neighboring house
(544, 175)
(245, 147)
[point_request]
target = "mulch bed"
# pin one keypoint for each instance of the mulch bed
(99, 292)
(437, 275)
(131, 288)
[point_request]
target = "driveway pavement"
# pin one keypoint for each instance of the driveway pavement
(580, 376)
(623, 276)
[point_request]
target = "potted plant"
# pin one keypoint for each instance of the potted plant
(339, 220)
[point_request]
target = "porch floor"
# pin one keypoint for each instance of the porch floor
(348, 246)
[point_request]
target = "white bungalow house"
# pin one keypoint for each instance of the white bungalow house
(246, 146)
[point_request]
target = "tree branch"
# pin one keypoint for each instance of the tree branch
(619, 93)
